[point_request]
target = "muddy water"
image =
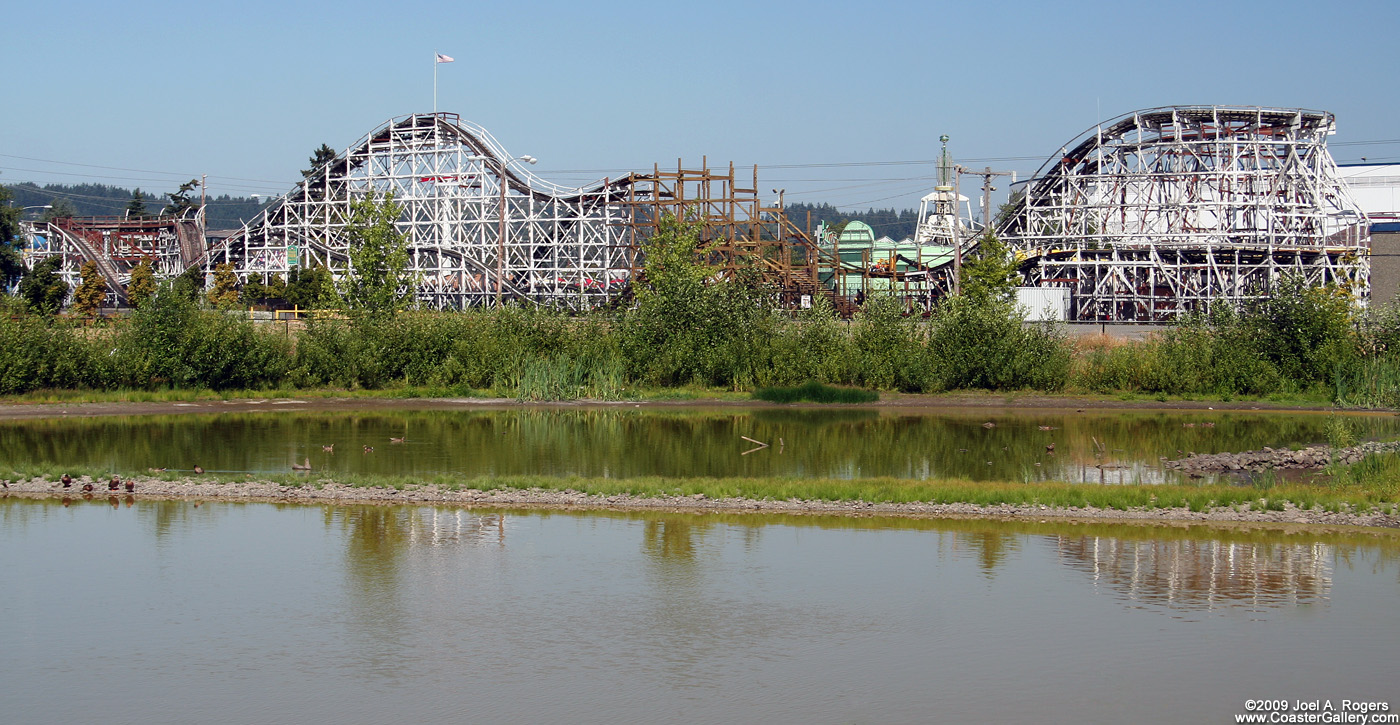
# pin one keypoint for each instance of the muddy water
(1094, 446)
(156, 612)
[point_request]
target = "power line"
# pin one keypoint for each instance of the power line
(138, 171)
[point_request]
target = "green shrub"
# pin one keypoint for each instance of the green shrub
(692, 325)
(39, 352)
(888, 348)
(171, 342)
(987, 345)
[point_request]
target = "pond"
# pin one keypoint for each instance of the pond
(132, 611)
(1100, 446)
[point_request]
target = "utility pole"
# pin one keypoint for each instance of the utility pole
(501, 235)
(987, 190)
(957, 243)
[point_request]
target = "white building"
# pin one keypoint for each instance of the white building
(1375, 187)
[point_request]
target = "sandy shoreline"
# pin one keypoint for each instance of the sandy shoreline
(328, 492)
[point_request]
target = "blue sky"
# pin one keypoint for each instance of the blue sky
(812, 92)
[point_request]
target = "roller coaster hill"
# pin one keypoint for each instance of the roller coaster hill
(1168, 211)
(1149, 216)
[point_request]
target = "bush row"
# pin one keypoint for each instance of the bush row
(714, 335)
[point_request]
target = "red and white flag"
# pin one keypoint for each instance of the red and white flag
(444, 58)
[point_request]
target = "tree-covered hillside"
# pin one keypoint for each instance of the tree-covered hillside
(886, 222)
(229, 212)
(223, 212)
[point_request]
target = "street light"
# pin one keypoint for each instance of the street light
(501, 237)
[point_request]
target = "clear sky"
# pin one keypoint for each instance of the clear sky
(814, 93)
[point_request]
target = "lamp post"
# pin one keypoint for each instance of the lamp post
(501, 236)
(24, 209)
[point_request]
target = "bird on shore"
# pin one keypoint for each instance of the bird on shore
(396, 440)
(329, 449)
(130, 485)
(302, 466)
(114, 484)
(369, 449)
(87, 487)
(67, 481)
(199, 469)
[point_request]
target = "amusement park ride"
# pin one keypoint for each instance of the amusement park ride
(1149, 216)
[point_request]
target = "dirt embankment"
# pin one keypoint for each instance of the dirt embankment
(329, 492)
(988, 401)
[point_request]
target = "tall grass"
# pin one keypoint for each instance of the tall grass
(815, 392)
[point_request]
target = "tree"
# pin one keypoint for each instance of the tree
(268, 289)
(690, 323)
(190, 284)
(990, 274)
(225, 290)
(137, 208)
(378, 280)
(42, 288)
(1303, 330)
(180, 201)
(92, 292)
(59, 208)
(276, 288)
(142, 285)
(320, 157)
(310, 289)
(11, 263)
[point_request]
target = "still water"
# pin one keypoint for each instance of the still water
(166, 612)
(1093, 446)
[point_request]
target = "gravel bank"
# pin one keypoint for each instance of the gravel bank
(1315, 457)
(267, 491)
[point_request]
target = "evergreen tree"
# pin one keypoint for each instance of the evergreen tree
(320, 157)
(137, 208)
(59, 208)
(180, 201)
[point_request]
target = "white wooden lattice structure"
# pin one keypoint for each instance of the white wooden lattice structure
(1163, 212)
(480, 227)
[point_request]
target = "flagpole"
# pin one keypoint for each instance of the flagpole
(435, 65)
